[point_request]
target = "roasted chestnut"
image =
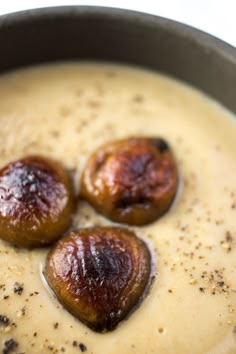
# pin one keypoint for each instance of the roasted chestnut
(99, 274)
(132, 181)
(36, 201)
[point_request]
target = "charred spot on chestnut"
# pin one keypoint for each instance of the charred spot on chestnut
(132, 181)
(36, 201)
(99, 274)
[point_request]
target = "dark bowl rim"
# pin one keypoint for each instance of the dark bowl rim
(206, 40)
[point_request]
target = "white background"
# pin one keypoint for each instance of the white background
(217, 17)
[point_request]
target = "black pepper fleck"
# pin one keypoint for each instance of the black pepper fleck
(23, 310)
(162, 145)
(18, 288)
(221, 283)
(4, 320)
(9, 346)
(82, 347)
(34, 293)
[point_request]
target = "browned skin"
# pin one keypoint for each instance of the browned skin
(132, 181)
(99, 274)
(36, 201)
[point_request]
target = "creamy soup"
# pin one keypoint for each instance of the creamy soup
(66, 111)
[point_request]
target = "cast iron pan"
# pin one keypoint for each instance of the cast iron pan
(84, 32)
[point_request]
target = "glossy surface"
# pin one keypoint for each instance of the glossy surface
(99, 274)
(37, 200)
(93, 104)
(131, 181)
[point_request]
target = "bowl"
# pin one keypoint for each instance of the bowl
(105, 34)
(99, 33)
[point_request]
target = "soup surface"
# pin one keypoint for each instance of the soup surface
(66, 111)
